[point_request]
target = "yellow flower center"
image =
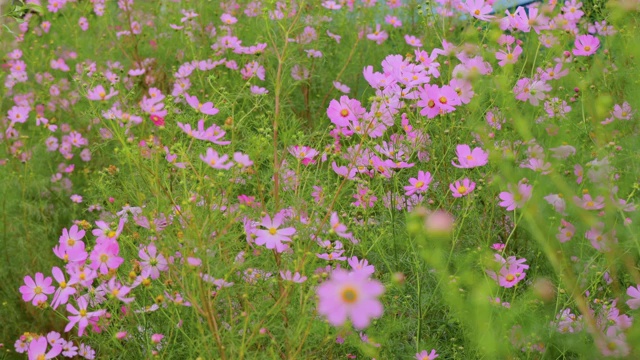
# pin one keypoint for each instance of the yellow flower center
(273, 231)
(37, 290)
(587, 48)
(349, 295)
(510, 278)
(462, 189)
(344, 113)
(419, 184)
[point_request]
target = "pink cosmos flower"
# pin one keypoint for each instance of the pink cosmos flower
(479, 9)
(419, 184)
(257, 90)
(515, 198)
(425, 355)
(152, 261)
(393, 21)
(341, 87)
(296, 278)
(510, 275)
(36, 291)
(379, 35)
(83, 23)
(105, 256)
(412, 40)
(81, 316)
(228, 19)
(623, 112)
(634, 293)
(350, 295)
(461, 189)
(99, 93)
(468, 158)
(588, 203)
(557, 201)
(18, 114)
(157, 120)
(509, 57)
(345, 111)
(206, 108)
(215, 161)
(565, 231)
(64, 290)
(600, 240)
(586, 45)
(361, 265)
(272, 237)
(531, 90)
(38, 349)
(303, 153)
(76, 198)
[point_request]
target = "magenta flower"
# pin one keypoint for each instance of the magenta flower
(424, 355)
(479, 9)
(469, 159)
(419, 184)
(215, 161)
(586, 45)
(303, 153)
(36, 291)
(81, 316)
(104, 233)
(273, 237)
(115, 289)
(38, 349)
(509, 57)
(153, 261)
(634, 293)
(515, 198)
(363, 265)
(99, 93)
(350, 295)
(72, 238)
(105, 256)
(64, 290)
(461, 189)
(206, 108)
(510, 275)
(345, 111)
